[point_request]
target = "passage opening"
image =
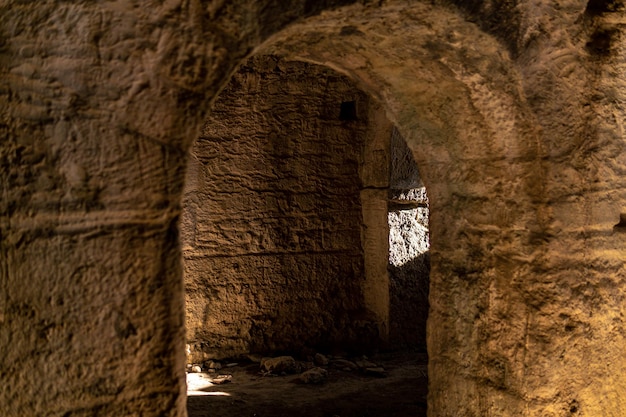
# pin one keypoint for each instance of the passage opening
(409, 244)
(283, 200)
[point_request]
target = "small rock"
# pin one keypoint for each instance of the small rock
(280, 364)
(214, 365)
(231, 365)
(221, 379)
(377, 371)
(196, 369)
(344, 364)
(313, 376)
(321, 360)
(305, 366)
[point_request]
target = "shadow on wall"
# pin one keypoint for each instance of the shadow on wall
(408, 292)
(409, 244)
(271, 225)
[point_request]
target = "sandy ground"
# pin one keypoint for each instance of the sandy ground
(345, 394)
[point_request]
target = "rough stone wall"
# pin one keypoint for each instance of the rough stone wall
(514, 111)
(571, 57)
(271, 230)
(98, 103)
(409, 272)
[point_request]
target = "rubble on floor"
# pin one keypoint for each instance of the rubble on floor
(314, 370)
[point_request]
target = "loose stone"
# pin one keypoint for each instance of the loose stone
(313, 376)
(221, 379)
(344, 364)
(280, 364)
(321, 360)
(364, 364)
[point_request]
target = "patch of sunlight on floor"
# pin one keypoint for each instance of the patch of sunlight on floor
(214, 393)
(199, 383)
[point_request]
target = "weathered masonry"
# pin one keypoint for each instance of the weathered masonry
(513, 112)
(285, 226)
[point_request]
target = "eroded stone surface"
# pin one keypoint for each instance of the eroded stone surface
(514, 112)
(98, 101)
(271, 230)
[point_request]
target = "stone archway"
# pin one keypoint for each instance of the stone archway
(470, 133)
(272, 218)
(520, 143)
(409, 249)
(117, 176)
(285, 234)
(285, 220)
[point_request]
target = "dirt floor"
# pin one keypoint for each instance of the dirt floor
(402, 392)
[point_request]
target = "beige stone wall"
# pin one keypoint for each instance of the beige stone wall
(515, 115)
(271, 228)
(98, 104)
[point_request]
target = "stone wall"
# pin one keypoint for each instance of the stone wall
(271, 228)
(98, 104)
(513, 110)
(515, 121)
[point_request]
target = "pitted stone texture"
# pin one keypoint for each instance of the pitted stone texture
(520, 146)
(98, 102)
(272, 221)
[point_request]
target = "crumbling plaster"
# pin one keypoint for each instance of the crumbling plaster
(514, 112)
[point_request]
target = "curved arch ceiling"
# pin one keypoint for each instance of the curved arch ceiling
(451, 90)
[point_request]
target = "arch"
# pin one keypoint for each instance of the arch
(461, 111)
(409, 249)
(101, 119)
(274, 262)
(276, 204)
